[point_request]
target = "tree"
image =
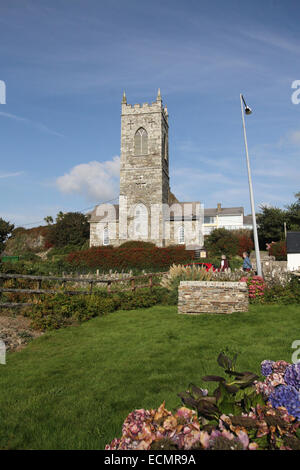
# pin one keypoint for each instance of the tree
(293, 214)
(5, 230)
(222, 242)
(60, 216)
(48, 219)
(71, 228)
(270, 223)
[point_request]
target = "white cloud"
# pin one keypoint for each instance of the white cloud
(8, 175)
(96, 181)
(37, 125)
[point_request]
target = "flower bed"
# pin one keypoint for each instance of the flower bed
(241, 414)
(256, 286)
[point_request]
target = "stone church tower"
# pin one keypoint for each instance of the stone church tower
(147, 209)
(144, 172)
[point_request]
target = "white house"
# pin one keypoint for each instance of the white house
(230, 218)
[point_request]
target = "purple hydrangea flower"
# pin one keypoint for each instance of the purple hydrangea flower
(287, 396)
(292, 375)
(266, 367)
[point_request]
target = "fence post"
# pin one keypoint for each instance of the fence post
(132, 284)
(91, 286)
(109, 286)
(150, 282)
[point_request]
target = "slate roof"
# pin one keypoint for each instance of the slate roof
(105, 213)
(210, 212)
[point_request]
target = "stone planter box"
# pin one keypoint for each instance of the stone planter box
(196, 297)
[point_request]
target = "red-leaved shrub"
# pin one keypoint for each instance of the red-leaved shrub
(122, 258)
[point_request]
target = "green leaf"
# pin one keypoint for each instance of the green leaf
(207, 409)
(224, 361)
(196, 391)
(187, 399)
(240, 395)
(262, 442)
(213, 378)
(222, 394)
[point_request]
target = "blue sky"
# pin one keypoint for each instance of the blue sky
(66, 63)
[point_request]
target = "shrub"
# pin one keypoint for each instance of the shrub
(287, 293)
(221, 241)
(138, 244)
(281, 385)
(245, 242)
(256, 286)
(228, 242)
(122, 258)
(278, 250)
(56, 311)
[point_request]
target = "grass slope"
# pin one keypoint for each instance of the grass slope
(73, 388)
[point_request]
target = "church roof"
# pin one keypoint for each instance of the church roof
(105, 211)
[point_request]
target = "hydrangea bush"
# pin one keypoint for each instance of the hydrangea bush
(241, 414)
(256, 286)
(281, 385)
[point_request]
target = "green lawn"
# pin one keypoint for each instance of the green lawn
(72, 388)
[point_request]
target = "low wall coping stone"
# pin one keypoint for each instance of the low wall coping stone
(213, 284)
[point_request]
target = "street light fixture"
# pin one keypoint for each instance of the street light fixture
(246, 110)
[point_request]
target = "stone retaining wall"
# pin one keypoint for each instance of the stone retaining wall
(196, 297)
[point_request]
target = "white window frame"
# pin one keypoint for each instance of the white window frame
(105, 237)
(181, 238)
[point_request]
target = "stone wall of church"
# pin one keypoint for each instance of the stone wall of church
(97, 233)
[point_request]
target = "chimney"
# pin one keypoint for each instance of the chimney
(219, 207)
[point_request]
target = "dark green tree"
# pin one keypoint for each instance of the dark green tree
(293, 214)
(5, 230)
(270, 223)
(71, 228)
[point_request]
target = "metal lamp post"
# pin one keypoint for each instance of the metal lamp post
(246, 110)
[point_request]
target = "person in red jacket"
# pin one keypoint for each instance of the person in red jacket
(224, 263)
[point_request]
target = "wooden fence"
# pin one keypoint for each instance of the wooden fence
(64, 280)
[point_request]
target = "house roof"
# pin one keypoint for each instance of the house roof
(210, 212)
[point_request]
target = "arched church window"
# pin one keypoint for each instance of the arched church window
(141, 221)
(181, 235)
(105, 236)
(141, 142)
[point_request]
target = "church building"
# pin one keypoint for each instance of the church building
(147, 209)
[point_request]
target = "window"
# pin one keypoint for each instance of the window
(105, 236)
(141, 221)
(141, 142)
(209, 220)
(181, 235)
